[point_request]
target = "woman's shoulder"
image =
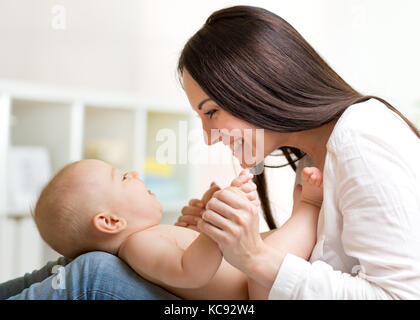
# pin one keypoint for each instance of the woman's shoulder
(369, 115)
(371, 120)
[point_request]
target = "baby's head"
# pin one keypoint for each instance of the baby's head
(89, 205)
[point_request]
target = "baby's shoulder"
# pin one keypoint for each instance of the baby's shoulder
(180, 236)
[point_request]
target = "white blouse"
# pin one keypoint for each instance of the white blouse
(368, 237)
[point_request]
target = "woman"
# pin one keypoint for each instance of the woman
(253, 70)
(248, 69)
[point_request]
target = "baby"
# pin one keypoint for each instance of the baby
(89, 206)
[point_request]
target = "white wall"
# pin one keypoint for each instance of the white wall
(99, 47)
(374, 45)
(133, 45)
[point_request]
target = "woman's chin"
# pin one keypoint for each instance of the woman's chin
(248, 163)
(252, 161)
(245, 165)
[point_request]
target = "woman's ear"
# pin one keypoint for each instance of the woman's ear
(109, 223)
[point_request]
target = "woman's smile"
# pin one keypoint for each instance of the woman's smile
(236, 147)
(234, 143)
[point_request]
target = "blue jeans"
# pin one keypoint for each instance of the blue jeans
(91, 276)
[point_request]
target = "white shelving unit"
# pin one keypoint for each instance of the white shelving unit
(74, 124)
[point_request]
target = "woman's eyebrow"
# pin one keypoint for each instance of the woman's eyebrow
(200, 105)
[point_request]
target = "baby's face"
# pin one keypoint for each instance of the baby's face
(122, 193)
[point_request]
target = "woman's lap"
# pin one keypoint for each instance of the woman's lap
(95, 276)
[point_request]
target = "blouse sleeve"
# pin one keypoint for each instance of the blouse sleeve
(378, 197)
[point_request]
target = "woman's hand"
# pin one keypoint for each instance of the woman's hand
(191, 214)
(231, 219)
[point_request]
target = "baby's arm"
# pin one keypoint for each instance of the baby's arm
(200, 261)
(298, 234)
(159, 258)
(168, 264)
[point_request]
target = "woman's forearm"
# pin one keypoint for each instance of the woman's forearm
(264, 266)
(296, 236)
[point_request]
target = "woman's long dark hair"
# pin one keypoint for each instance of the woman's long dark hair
(258, 68)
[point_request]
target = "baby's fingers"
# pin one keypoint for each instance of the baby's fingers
(250, 186)
(185, 225)
(191, 211)
(244, 177)
(196, 203)
(253, 197)
(187, 220)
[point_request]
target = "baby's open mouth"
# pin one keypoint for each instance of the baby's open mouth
(151, 193)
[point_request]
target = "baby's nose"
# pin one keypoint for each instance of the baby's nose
(134, 174)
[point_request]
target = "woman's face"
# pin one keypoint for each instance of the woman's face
(249, 144)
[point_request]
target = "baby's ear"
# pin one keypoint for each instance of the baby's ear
(109, 223)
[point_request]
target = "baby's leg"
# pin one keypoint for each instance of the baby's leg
(312, 186)
(298, 234)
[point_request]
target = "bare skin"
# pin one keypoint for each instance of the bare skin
(304, 218)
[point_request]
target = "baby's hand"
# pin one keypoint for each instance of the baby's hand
(191, 213)
(209, 193)
(247, 186)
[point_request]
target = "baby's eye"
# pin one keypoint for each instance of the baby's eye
(124, 176)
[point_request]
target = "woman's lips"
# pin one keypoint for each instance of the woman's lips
(236, 145)
(150, 192)
(238, 151)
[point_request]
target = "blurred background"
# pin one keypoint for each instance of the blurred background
(97, 79)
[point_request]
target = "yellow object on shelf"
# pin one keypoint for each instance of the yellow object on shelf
(156, 168)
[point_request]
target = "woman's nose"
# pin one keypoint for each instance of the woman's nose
(211, 136)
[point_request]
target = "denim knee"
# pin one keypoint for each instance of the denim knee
(91, 262)
(101, 275)
(95, 272)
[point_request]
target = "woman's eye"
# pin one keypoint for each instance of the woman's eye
(211, 113)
